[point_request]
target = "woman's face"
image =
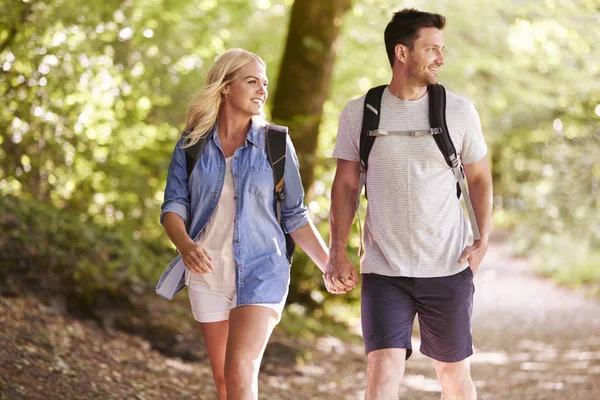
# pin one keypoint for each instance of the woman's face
(248, 92)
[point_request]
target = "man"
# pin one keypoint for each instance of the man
(417, 256)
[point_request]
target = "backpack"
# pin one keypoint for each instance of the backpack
(276, 153)
(439, 130)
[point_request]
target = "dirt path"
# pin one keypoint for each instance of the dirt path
(533, 341)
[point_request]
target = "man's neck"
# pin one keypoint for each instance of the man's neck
(405, 89)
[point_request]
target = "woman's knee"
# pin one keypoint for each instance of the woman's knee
(239, 372)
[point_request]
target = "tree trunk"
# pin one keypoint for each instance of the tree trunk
(305, 75)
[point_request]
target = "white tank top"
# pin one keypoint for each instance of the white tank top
(217, 238)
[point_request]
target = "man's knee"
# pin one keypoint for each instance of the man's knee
(453, 370)
(456, 380)
(387, 363)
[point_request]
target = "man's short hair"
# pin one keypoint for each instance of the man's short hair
(404, 28)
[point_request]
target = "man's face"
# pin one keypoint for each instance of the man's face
(426, 57)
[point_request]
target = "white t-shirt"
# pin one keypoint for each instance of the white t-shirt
(217, 238)
(415, 225)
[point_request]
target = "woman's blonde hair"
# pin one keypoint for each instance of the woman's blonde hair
(204, 107)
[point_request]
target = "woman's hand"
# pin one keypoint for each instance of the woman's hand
(196, 259)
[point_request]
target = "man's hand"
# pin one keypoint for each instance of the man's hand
(339, 275)
(474, 254)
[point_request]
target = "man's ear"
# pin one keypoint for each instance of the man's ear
(401, 52)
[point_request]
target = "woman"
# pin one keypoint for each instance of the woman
(236, 268)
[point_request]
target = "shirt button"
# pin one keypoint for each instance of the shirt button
(235, 175)
(237, 265)
(236, 241)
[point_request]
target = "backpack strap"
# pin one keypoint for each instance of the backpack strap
(193, 153)
(276, 153)
(370, 122)
(437, 120)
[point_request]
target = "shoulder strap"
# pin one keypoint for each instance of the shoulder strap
(437, 119)
(193, 153)
(276, 153)
(370, 122)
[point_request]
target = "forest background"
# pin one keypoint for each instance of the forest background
(94, 95)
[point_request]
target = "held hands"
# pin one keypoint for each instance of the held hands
(196, 259)
(474, 254)
(339, 274)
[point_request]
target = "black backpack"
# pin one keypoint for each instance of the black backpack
(439, 131)
(276, 153)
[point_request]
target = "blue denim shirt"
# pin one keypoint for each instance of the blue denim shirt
(262, 269)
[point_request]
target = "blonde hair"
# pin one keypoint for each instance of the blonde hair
(204, 107)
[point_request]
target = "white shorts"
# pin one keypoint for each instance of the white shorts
(213, 305)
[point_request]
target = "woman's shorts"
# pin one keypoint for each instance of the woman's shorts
(213, 305)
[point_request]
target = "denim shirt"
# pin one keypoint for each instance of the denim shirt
(261, 266)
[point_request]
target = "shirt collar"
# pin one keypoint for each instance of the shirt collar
(253, 133)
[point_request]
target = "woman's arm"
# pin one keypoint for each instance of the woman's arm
(310, 240)
(175, 213)
(194, 257)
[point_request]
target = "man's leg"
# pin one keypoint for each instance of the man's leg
(387, 315)
(455, 379)
(384, 372)
(444, 306)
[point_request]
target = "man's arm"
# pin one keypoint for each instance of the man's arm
(479, 181)
(340, 275)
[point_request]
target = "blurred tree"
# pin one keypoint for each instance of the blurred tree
(305, 75)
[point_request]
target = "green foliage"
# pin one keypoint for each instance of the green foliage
(569, 261)
(51, 250)
(297, 321)
(95, 93)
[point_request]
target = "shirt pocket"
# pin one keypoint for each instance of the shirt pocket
(261, 181)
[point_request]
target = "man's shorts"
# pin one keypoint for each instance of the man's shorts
(444, 306)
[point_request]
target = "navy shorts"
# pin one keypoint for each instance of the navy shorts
(444, 306)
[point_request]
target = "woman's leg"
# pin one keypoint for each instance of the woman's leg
(211, 309)
(215, 337)
(249, 330)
